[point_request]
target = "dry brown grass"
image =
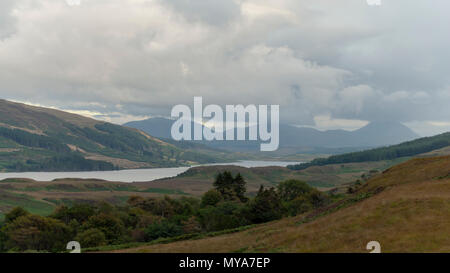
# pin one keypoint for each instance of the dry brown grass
(411, 214)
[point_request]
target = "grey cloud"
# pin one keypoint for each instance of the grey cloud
(7, 20)
(213, 12)
(338, 58)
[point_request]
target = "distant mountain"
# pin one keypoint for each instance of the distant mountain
(157, 127)
(41, 139)
(375, 134)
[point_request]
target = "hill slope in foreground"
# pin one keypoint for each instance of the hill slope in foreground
(406, 209)
(42, 139)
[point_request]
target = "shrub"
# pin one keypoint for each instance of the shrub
(110, 225)
(225, 216)
(33, 232)
(14, 214)
(266, 206)
(211, 198)
(163, 229)
(91, 238)
(191, 225)
(291, 189)
(79, 212)
(298, 206)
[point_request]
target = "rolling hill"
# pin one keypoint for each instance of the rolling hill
(302, 139)
(405, 209)
(42, 139)
(406, 149)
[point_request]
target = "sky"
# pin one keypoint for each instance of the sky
(328, 64)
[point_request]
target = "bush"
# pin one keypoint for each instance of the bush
(91, 238)
(225, 216)
(291, 189)
(78, 212)
(163, 229)
(14, 214)
(298, 206)
(110, 225)
(211, 198)
(33, 232)
(266, 206)
(138, 235)
(191, 225)
(318, 199)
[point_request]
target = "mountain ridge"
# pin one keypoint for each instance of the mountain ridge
(374, 134)
(35, 138)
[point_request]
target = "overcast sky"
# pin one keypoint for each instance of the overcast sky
(327, 63)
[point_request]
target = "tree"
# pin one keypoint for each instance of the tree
(37, 233)
(298, 197)
(110, 225)
(211, 198)
(148, 219)
(266, 206)
(318, 199)
(133, 216)
(239, 187)
(79, 212)
(162, 207)
(225, 215)
(163, 229)
(231, 188)
(220, 183)
(291, 189)
(298, 206)
(14, 214)
(191, 225)
(224, 184)
(3, 239)
(135, 200)
(91, 238)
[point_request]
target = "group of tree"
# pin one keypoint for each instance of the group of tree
(71, 161)
(410, 148)
(146, 219)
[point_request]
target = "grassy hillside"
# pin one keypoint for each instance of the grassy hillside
(42, 139)
(406, 149)
(42, 198)
(194, 182)
(198, 180)
(406, 209)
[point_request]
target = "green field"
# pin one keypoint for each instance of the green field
(10, 200)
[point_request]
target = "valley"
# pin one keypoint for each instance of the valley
(406, 209)
(346, 192)
(193, 182)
